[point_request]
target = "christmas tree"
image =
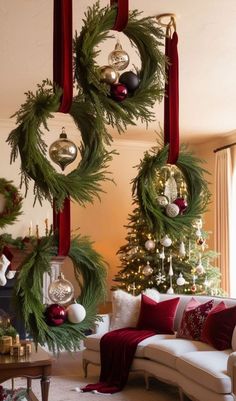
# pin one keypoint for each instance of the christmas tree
(174, 264)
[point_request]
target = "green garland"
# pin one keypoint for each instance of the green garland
(13, 203)
(90, 272)
(144, 188)
(83, 183)
(146, 36)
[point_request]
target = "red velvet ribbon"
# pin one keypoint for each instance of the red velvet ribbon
(62, 51)
(61, 226)
(171, 102)
(63, 77)
(122, 14)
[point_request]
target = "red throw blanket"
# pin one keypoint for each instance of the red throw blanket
(117, 349)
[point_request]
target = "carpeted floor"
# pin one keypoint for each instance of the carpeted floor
(67, 375)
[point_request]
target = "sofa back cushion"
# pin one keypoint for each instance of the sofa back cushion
(157, 316)
(126, 308)
(219, 326)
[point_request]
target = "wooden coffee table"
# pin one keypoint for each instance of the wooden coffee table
(37, 365)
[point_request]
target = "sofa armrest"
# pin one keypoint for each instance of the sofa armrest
(231, 370)
(103, 325)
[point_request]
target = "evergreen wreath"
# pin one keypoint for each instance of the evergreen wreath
(146, 36)
(13, 203)
(144, 189)
(90, 272)
(83, 183)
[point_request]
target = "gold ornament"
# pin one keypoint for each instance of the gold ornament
(108, 74)
(118, 58)
(61, 291)
(63, 151)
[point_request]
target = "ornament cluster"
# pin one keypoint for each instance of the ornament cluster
(121, 84)
(61, 293)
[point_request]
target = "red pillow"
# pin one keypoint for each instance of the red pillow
(193, 319)
(157, 316)
(219, 326)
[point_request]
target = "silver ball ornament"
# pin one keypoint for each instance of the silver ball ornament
(63, 151)
(162, 200)
(61, 291)
(147, 270)
(108, 75)
(118, 58)
(149, 245)
(166, 241)
(172, 210)
(200, 269)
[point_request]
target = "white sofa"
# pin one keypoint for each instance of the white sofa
(196, 368)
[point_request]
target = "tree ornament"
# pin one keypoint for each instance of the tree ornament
(10, 274)
(63, 151)
(118, 58)
(200, 241)
(170, 190)
(162, 200)
(198, 232)
(61, 291)
(119, 92)
(160, 278)
(194, 288)
(76, 313)
(147, 270)
(166, 241)
(180, 280)
(182, 204)
(130, 80)
(108, 74)
(150, 245)
(162, 253)
(170, 290)
(55, 315)
(172, 210)
(182, 251)
(200, 268)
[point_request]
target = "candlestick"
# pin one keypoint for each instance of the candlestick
(37, 231)
(46, 226)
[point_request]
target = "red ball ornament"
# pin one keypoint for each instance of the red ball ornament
(119, 92)
(182, 204)
(194, 288)
(55, 315)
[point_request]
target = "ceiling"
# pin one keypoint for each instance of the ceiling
(207, 59)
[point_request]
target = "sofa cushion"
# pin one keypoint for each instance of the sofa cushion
(167, 351)
(219, 326)
(193, 319)
(126, 308)
(157, 316)
(208, 368)
(92, 342)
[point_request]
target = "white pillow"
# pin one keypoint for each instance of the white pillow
(233, 342)
(126, 307)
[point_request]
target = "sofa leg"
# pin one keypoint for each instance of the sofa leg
(146, 378)
(85, 367)
(181, 395)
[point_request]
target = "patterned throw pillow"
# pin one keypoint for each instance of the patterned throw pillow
(193, 319)
(126, 308)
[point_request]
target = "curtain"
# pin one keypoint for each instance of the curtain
(223, 190)
(232, 224)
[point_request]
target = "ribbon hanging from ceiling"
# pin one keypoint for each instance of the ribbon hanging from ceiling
(63, 77)
(171, 102)
(122, 14)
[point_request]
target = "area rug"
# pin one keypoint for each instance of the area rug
(68, 376)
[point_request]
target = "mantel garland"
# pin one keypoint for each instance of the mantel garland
(83, 183)
(12, 205)
(144, 188)
(146, 36)
(90, 272)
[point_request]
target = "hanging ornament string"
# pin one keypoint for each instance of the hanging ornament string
(171, 102)
(63, 77)
(122, 14)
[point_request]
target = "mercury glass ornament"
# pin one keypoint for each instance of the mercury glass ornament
(118, 58)
(61, 291)
(108, 74)
(147, 270)
(182, 251)
(166, 241)
(149, 245)
(63, 151)
(162, 200)
(171, 190)
(172, 210)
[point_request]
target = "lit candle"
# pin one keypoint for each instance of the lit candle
(30, 228)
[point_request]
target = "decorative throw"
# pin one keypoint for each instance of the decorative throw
(117, 349)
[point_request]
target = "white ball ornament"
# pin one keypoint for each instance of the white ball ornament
(162, 200)
(172, 210)
(149, 245)
(200, 269)
(76, 313)
(180, 280)
(166, 241)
